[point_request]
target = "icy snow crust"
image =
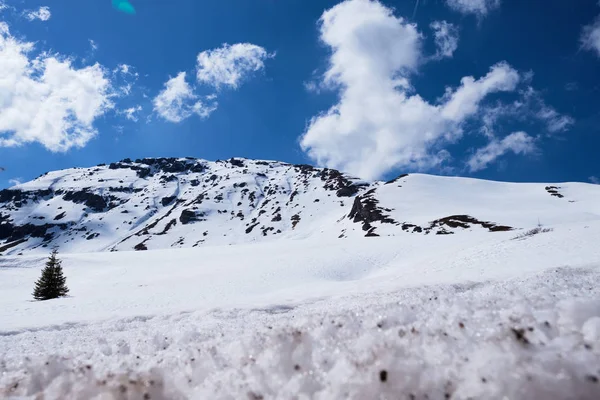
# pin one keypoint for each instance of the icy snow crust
(445, 303)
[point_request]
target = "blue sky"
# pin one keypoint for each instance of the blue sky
(495, 89)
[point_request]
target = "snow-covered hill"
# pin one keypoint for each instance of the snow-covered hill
(181, 203)
(275, 281)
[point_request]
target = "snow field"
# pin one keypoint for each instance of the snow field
(436, 317)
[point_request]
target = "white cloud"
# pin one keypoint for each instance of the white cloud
(226, 66)
(492, 114)
(529, 107)
(229, 65)
(124, 69)
(555, 121)
(446, 38)
(465, 100)
(379, 123)
(93, 45)
(125, 90)
(3, 5)
(178, 101)
(126, 77)
(42, 14)
(478, 7)
(312, 87)
(15, 181)
(517, 142)
(533, 104)
(131, 113)
(594, 180)
(590, 37)
(46, 99)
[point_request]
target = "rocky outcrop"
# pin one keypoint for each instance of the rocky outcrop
(148, 166)
(167, 200)
(91, 200)
(350, 190)
(553, 190)
(237, 163)
(188, 216)
(20, 197)
(466, 221)
(365, 210)
(11, 232)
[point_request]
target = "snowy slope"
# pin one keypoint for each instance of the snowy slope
(429, 316)
(165, 281)
(184, 203)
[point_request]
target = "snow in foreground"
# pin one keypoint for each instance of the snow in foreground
(425, 317)
(515, 339)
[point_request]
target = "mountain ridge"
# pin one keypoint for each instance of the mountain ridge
(155, 203)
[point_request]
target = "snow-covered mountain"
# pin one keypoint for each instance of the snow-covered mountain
(159, 203)
(335, 288)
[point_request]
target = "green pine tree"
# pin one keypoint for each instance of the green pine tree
(52, 283)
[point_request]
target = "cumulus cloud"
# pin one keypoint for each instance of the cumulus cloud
(479, 8)
(229, 65)
(177, 101)
(517, 143)
(590, 36)
(379, 123)
(446, 38)
(595, 180)
(46, 99)
(42, 14)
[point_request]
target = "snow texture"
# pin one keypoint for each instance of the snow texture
(516, 339)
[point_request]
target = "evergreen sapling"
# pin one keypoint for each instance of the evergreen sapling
(52, 283)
